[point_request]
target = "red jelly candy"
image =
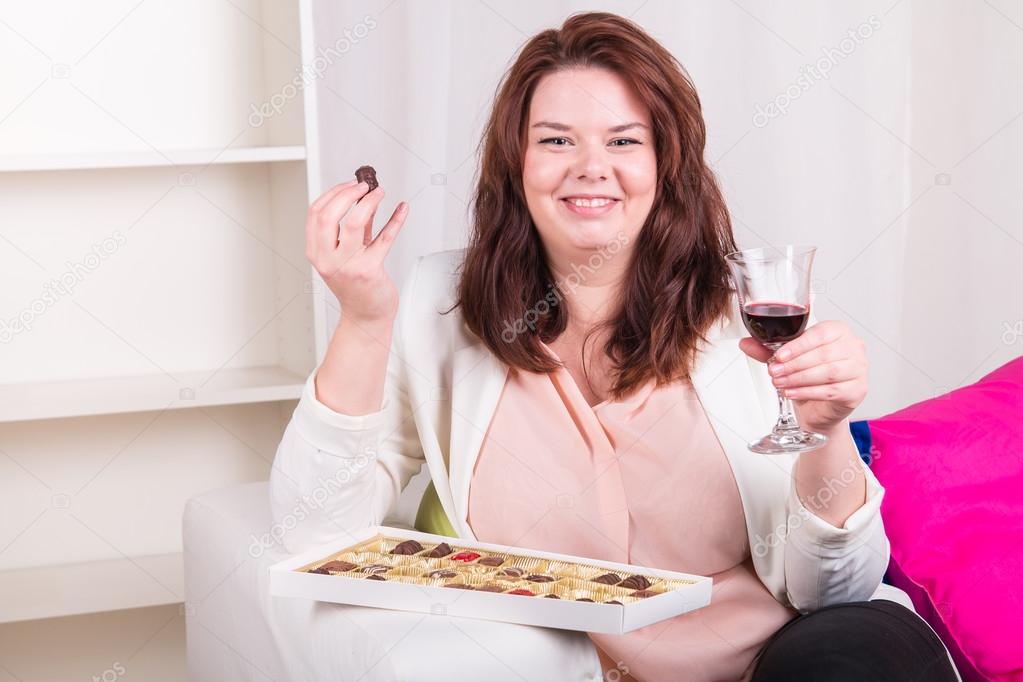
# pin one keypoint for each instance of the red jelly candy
(521, 591)
(465, 556)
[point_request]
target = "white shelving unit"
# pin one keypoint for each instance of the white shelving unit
(142, 159)
(158, 316)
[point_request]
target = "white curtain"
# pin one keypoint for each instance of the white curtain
(888, 133)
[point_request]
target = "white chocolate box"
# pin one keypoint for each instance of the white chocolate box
(682, 592)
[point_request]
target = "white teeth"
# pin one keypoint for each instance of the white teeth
(591, 203)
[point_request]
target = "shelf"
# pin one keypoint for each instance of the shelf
(109, 395)
(168, 158)
(91, 587)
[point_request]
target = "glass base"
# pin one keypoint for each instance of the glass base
(796, 440)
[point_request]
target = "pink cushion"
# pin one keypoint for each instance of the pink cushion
(952, 468)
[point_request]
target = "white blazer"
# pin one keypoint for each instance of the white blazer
(335, 472)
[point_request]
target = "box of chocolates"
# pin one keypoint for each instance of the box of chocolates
(402, 569)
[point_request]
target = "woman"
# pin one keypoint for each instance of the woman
(585, 390)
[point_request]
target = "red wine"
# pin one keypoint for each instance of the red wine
(775, 322)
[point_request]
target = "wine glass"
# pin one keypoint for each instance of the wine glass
(773, 287)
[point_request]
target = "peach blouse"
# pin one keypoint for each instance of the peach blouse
(643, 480)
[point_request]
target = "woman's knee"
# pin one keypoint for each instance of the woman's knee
(872, 640)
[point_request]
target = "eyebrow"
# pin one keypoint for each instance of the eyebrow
(565, 128)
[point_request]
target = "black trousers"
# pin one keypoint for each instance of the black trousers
(867, 641)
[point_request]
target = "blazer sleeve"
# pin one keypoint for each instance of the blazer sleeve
(334, 473)
(827, 565)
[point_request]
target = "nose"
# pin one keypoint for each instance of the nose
(591, 163)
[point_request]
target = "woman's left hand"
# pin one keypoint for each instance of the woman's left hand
(824, 372)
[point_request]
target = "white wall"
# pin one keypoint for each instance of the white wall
(902, 164)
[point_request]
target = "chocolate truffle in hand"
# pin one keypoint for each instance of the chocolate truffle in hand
(367, 174)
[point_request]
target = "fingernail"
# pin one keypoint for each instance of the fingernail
(780, 381)
(782, 355)
(402, 207)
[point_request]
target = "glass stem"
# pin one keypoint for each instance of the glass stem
(786, 416)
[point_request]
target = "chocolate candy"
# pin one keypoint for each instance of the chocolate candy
(635, 582)
(441, 573)
(551, 596)
(644, 593)
(512, 572)
(375, 568)
(584, 599)
(460, 586)
(521, 591)
(613, 601)
(608, 579)
(375, 576)
(367, 174)
(491, 561)
(407, 547)
(491, 587)
(333, 567)
(540, 578)
(441, 550)
(465, 556)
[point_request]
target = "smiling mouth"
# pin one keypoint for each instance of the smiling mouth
(589, 207)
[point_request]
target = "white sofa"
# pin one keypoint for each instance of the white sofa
(236, 631)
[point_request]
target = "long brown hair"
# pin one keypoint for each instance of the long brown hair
(676, 284)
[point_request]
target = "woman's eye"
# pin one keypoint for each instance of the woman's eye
(562, 141)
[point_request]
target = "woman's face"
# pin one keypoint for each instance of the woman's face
(590, 171)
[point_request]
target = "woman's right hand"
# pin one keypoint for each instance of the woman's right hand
(353, 267)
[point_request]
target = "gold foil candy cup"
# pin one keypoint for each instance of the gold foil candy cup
(486, 584)
(425, 565)
(595, 595)
(365, 558)
(595, 591)
(373, 544)
(474, 570)
(499, 586)
(356, 575)
(409, 572)
(403, 559)
(652, 591)
(537, 589)
(527, 566)
(563, 569)
(608, 594)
